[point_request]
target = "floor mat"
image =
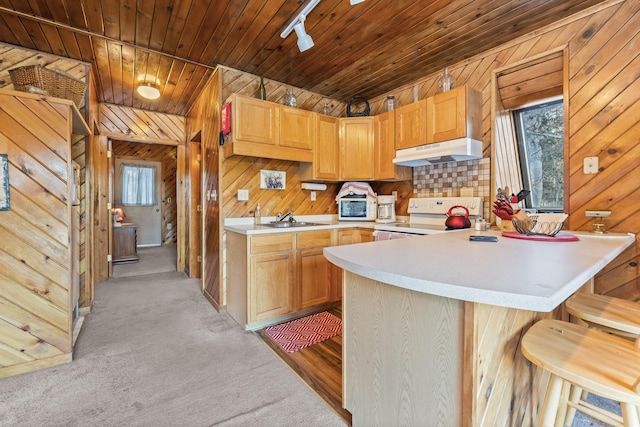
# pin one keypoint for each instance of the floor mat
(300, 333)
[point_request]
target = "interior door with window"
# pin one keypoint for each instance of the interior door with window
(137, 190)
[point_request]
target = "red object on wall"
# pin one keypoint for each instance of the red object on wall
(225, 117)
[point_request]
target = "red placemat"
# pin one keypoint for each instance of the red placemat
(560, 237)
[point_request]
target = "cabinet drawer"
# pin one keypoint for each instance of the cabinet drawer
(271, 243)
(314, 239)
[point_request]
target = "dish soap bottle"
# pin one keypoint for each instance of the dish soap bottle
(257, 215)
(262, 92)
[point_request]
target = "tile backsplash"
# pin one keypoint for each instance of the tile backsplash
(448, 179)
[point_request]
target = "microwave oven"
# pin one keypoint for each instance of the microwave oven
(357, 208)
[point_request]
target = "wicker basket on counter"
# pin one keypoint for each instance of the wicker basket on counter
(38, 79)
(537, 225)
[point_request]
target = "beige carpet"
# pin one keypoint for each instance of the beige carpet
(154, 353)
(155, 259)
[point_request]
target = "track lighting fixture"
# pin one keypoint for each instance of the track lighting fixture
(297, 24)
(305, 41)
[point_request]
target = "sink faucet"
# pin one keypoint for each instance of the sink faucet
(280, 217)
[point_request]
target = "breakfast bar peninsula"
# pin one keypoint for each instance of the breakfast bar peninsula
(432, 324)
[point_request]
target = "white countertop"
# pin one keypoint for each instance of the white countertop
(514, 273)
(323, 222)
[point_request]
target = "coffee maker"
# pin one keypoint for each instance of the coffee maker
(386, 209)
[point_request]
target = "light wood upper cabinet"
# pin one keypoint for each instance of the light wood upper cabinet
(384, 150)
(411, 125)
(269, 130)
(254, 120)
(326, 151)
(356, 148)
(454, 114)
(296, 128)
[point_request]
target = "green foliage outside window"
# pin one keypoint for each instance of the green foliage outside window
(540, 134)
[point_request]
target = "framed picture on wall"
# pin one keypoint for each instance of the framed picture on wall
(4, 182)
(275, 180)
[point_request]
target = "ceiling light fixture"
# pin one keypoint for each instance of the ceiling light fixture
(304, 40)
(148, 90)
(355, 2)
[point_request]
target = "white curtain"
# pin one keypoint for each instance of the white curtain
(137, 185)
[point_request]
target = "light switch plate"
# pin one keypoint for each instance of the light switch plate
(243, 195)
(590, 166)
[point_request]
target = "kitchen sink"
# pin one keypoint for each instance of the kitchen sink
(286, 224)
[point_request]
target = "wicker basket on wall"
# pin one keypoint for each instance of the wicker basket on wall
(38, 79)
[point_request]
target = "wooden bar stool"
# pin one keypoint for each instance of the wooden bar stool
(608, 314)
(604, 364)
(615, 315)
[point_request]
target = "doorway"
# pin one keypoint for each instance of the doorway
(146, 214)
(155, 219)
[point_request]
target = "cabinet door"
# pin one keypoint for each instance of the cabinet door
(446, 113)
(346, 237)
(313, 278)
(356, 148)
(455, 114)
(326, 153)
(365, 235)
(255, 120)
(411, 125)
(384, 150)
(271, 285)
(384, 143)
(296, 128)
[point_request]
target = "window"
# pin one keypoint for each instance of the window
(137, 185)
(540, 137)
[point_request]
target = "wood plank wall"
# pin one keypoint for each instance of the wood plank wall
(13, 57)
(132, 124)
(167, 155)
(35, 253)
(604, 118)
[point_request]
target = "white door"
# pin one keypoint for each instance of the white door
(147, 218)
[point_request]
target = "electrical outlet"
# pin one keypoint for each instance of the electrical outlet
(243, 195)
(395, 195)
(313, 196)
(590, 166)
(169, 226)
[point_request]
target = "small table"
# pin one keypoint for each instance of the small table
(125, 243)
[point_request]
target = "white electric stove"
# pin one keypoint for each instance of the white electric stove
(427, 215)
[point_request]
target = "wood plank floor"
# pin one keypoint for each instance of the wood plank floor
(319, 366)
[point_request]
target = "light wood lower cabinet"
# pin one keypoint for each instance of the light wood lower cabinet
(274, 277)
(346, 236)
(314, 270)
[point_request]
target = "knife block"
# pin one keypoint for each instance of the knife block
(505, 225)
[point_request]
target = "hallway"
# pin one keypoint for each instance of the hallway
(155, 259)
(154, 352)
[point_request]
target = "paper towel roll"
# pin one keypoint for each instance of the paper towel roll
(313, 186)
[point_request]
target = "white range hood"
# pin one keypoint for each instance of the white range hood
(456, 150)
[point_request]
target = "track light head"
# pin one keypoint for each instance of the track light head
(305, 42)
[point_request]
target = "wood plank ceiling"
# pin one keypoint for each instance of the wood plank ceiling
(367, 49)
